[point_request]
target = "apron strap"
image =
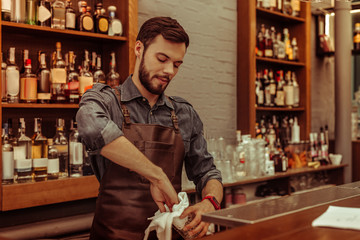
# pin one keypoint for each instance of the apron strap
(123, 108)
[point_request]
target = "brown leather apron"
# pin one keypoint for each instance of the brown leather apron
(124, 202)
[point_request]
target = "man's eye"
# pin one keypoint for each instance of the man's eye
(161, 60)
(177, 65)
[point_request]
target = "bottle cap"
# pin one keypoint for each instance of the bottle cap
(111, 8)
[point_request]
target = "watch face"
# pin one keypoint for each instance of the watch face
(217, 203)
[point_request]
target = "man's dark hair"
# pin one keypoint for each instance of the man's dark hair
(168, 27)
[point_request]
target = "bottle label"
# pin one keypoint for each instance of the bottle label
(53, 165)
(73, 86)
(272, 89)
(58, 75)
(70, 20)
(289, 95)
(7, 165)
(261, 97)
(295, 5)
(28, 89)
(40, 162)
(6, 6)
(85, 82)
(23, 164)
(61, 148)
(43, 14)
(44, 96)
(12, 81)
(280, 98)
(88, 23)
(76, 153)
(117, 27)
(357, 38)
(103, 25)
(19, 152)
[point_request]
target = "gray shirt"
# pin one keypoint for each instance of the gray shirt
(100, 121)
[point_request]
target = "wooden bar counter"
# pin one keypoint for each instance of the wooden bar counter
(293, 224)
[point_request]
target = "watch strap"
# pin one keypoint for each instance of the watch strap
(213, 201)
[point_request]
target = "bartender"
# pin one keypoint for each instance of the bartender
(138, 139)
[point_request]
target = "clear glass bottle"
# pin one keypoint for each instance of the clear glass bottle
(43, 78)
(70, 16)
(99, 75)
(115, 25)
(39, 152)
(7, 157)
(3, 78)
(44, 13)
(53, 161)
(101, 21)
(25, 56)
(76, 150)
(280, 96)
(58, 10)
(113, 78)
(58, 77)
(86, 78)
(72, 87)
(31, 17)
(239, 158)
(28, 85)
(296, 90)
(61, 144)
(12, 78)
(289, 90)
(6, 6)
(22, 155)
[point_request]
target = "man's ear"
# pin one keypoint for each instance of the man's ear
(139, 48)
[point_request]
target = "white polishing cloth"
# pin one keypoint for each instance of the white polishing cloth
(162, 222)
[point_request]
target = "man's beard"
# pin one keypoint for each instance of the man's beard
(145, 80)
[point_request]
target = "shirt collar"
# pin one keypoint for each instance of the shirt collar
(129, 92)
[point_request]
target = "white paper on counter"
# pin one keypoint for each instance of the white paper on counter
(339, 217)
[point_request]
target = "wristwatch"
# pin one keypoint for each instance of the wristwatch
(213, 201)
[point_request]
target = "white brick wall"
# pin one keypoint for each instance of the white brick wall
(207, 78)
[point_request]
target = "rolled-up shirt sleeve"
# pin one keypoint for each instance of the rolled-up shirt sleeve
(94, 117)
(199, 163)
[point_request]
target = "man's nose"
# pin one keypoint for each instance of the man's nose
(169, 68)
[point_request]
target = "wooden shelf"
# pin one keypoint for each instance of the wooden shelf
(38, 105)
(280, 109)
(17, 196)
(46, 31)
(280, 62)
(278, 15)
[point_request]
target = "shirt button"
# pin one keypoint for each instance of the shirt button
(151, 113)
(144, 99)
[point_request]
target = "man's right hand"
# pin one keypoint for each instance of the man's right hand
(163, 193)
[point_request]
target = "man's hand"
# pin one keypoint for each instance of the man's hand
(196, 227)
(163, 192)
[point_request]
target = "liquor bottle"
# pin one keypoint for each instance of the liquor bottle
(266, 4)
(280, 96)
(87, 169)
(43, 78)
(93, 62)
(259, 3)
(44, 13)
(72, 87)
(272, 88)
(7, 157)
(356, 38)
(39, 152)
(58, 10)
(259, 90)
(267, 94)
(272, 5)
(296, 7)
(58, 77)
(6, 6)
(99, 75)
(25, 56)
(28, 85)
(86, 22)
(261, 41)
(115, 25)
(61, 144)
(296, 90)
(275, 44)
(86, 79)
(31, 12)
(12, 78)
(11, 134)
(101, 21)
(281, 53)
(268, 45)
(22, 155)
(113, 78)
(3, 78)
(289, 90)
(295, 50)
(19, 11)
(314, 147)
(279, 5)
(53, 161)
(287, 8)
(76, 150)
(288, 49)
(70, 16)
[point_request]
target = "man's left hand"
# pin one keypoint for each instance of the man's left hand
(196, 227)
